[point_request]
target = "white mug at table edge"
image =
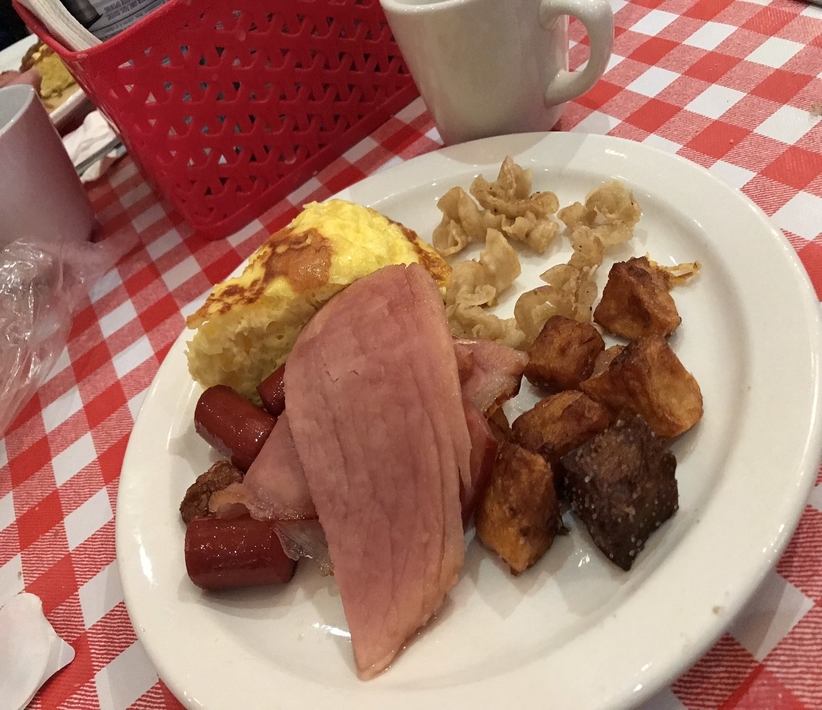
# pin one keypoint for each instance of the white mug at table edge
(41, 196)
(493, 67)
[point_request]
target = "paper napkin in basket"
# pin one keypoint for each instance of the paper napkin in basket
(88, 140)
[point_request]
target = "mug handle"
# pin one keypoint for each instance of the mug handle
(598, 19)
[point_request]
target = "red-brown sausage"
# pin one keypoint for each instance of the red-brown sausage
(240, 552)
(272, 392)
(232, 425)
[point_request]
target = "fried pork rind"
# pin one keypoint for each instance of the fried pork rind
(647, 378)
(469, 321)
(678, 274)
(510, 194)
(518, 517)
(475, 284)
(568, 292)
(571, 289)
(622, 486)
(635, 301)
(610, 211)
(461, 222)
(508, 207)
(563, 354)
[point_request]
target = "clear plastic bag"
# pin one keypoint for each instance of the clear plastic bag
(41, 285)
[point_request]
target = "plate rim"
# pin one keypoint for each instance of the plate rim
(813, 439)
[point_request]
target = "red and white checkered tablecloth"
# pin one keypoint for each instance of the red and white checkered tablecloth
(728, 84)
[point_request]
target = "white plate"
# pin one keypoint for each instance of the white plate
(10, 59)
(574, 632)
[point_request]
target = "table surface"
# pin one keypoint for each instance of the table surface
(729, 84)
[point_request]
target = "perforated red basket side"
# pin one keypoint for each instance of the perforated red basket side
(228, 105)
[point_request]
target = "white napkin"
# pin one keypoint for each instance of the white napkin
(30, 651)
(88, 139)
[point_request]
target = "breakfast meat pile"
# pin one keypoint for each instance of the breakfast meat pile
(382, 437)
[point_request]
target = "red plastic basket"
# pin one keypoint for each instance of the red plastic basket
(228, 105)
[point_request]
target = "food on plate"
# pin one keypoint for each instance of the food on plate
(232, 425)
(375, 408)
(241, 552)
(563, 354)
(647, 378)
(490, 373)
(248, 324)
(559, 423)
(622, 487)
(509, 211)
(272, 392)
(475, 284)
(610, 211)
(57, 83)
(219, 476)
(509, 208)
(636, 300)
(274, 488)
(519, 514)
(384, 433)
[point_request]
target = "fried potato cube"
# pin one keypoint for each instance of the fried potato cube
(635, 301)
(647, 378)
(560, 423)
(519, 515)
(563, 354)
(622, 486)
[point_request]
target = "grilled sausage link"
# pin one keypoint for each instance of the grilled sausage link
(272, 392)
(232, 425)
(240, 552)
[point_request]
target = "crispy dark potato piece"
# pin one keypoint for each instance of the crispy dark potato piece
(647, 378)
(563, 354)
(622, 486)
(560, 423)
(219, 476)
(519, 515)
(635, 301)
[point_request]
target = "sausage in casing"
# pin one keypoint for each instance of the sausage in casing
(239, 552)
(232, 425)
(272, 392)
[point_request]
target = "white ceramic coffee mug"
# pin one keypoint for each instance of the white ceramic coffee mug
(492, 67)
(41, 196)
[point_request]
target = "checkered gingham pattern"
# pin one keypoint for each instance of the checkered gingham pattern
(728, 84)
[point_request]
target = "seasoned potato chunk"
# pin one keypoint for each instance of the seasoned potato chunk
(559, 423)
(635, 301)
(622, 487)
(519, 515)
(563, 354)
(647, 378)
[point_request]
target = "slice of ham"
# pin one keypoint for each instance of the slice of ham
(375, 408)
(490, 372)
(274, 487)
